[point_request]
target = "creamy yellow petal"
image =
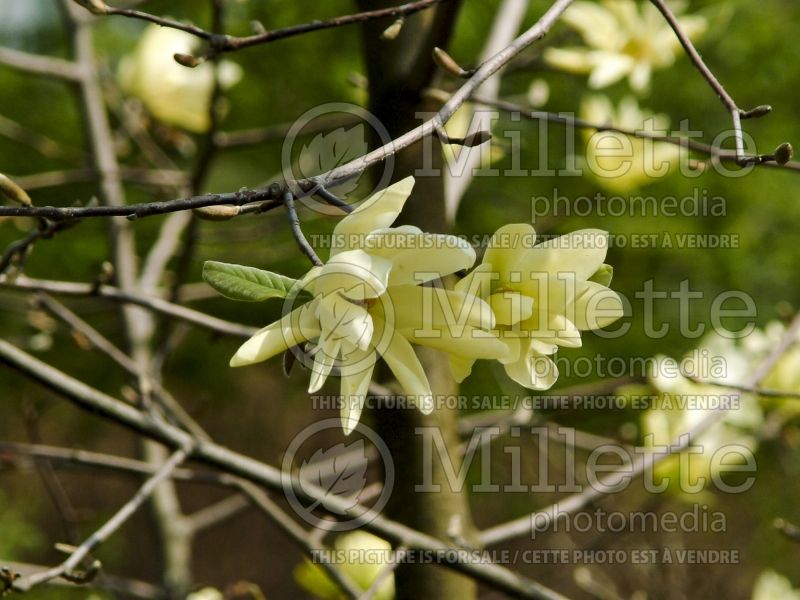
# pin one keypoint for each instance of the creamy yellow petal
(341, 320)
(533, 370)
(579, 253)
(353, 274)
(609, 68)
(298, 326)
(417, 256)
(470, 342)
(404, 364)
(596, 307)
(479, 282)
(460, 367)
(355, 384)
(432, 309)
(511, 307)
(326, 353)
(376, 212)
(570, 60)
(507, 244)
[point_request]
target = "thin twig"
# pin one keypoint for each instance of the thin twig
(109, 528)
(542, 518)
(183, 313)
(736, 113)
(227, 43)
(302, 538)
(297, 231)
(36, 64)
(93, 400)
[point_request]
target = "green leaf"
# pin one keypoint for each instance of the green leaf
(249, 284)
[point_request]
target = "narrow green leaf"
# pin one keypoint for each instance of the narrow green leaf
(249, 284)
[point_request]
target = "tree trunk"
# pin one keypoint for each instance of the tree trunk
(398, 71)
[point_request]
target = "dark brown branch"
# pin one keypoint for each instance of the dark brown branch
(226, 43)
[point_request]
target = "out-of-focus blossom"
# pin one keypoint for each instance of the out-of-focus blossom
(366, 556)
(623, 38)
(619, 162)
(173, 94)
(542, 296)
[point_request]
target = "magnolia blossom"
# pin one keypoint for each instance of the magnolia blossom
(377, 553)
(623, 39)
(621, 162)
(542, 297)
(680, 407)
(174, 94)
(367, 302)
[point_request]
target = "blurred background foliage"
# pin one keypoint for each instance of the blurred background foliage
(751, 46)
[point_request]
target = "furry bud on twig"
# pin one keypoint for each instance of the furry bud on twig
(257, 27)
(393, 30)
(219, 212)
(446, 62)
(13, 192)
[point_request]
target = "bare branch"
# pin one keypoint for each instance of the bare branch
(225, 43)
(109, 528)
(182, 313)
(236, 464)
(576, 502)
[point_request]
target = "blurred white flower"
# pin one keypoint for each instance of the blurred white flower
(682, 404)
(619, 162)
(542, 296)
(366, 556)
(173, 94)
(624, 38)
(774, 586)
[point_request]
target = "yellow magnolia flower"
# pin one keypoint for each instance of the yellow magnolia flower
(542, 296)
(620, 162)
(174, 94)
(682, 404)
(366, 556)
(367, 302)
(623, 39)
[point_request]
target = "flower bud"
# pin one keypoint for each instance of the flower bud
(13, 192)
(393, 30)
(784, 153)
(219, 212)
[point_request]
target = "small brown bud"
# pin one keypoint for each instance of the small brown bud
(754, 113)
(474, 139)
(187, 60)
(784, 153)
